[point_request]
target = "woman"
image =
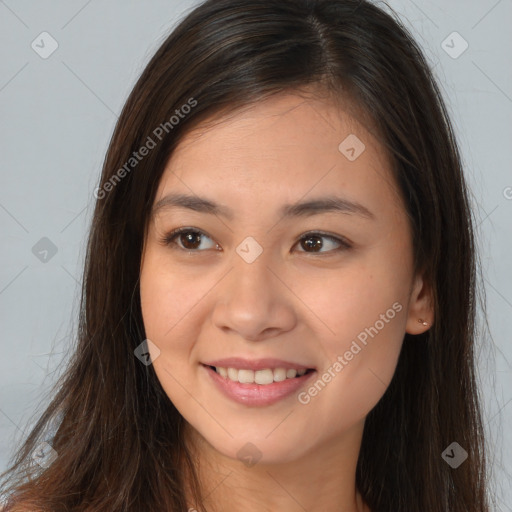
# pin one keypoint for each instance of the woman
(278, 302)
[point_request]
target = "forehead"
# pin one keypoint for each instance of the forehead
(282, 149)
(285, 122)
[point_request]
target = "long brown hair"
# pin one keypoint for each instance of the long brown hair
(118, 439)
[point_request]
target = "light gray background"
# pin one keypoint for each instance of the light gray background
(57, 116)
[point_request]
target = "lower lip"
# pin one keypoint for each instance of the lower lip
(257, 394)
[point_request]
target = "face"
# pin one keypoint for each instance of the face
(296, 253)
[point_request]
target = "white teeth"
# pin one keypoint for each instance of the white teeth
(279, 375)
(233, 374)
(266, 376)
(245, 376)
(262, 376)
(291, 373)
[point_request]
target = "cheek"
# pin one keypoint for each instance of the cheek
(172, 313)
(159, 303)
(360, 361)
(354, 297)
(168, 298)
(164, 301)
(364, 311)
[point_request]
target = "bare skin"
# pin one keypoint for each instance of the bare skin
(300, 302)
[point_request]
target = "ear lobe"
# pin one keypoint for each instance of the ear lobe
(420, 316)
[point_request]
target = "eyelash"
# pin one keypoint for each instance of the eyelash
(169, 240)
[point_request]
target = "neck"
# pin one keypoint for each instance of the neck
(323, 481)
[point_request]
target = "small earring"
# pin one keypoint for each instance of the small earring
(421, 321)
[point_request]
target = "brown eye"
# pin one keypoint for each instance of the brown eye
(187, 239)
(313, 243)
(190, 239)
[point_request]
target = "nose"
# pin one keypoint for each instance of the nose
(253, 302)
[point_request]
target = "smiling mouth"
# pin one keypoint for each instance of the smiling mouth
(263, 377)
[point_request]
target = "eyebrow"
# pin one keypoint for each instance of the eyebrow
(300, 209)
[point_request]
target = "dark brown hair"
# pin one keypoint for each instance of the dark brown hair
(119, 437)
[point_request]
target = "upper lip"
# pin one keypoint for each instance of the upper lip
(256, 364)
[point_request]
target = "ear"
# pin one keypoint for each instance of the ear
(420, 311)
